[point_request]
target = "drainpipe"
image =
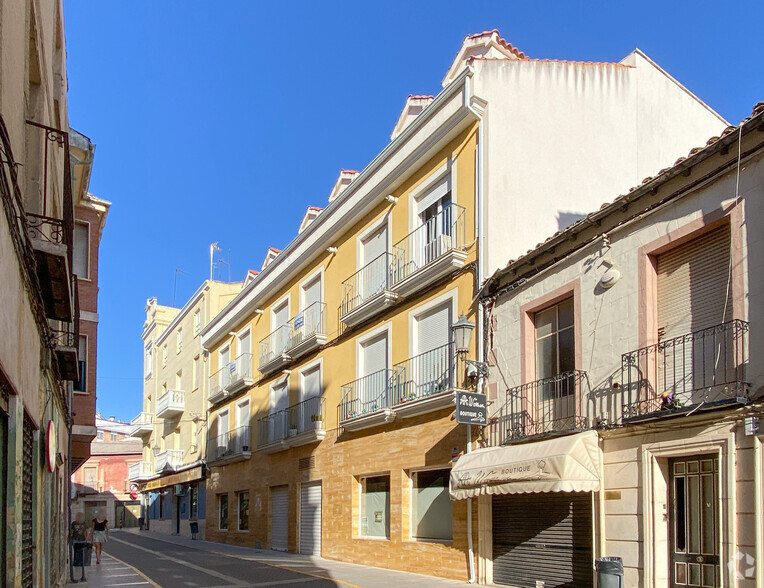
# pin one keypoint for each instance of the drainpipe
(479, 281)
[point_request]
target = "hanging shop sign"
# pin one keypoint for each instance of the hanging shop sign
(51, 448)
(471, 408)
(179, 478)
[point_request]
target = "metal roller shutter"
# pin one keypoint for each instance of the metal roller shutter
(692, 284)
(279, 518)
(434, 328)
(310, 519)
(543, 538)
(27, 505)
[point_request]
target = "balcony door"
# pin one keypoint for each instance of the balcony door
(436, 223)
(224, 359)
(242, 420)
(223, 445)
(555, 400)
(373, 384)
(373, 278)
(279, 403)
(279, 336)
(430, 371)
(244, 362)
(310, 388)
(311, 310)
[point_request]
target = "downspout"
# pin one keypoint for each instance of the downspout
(479, 281)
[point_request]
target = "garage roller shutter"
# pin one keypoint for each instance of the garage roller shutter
(543, 537)
(310, 519)
(279, 518)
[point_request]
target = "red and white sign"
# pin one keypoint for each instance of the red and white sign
(52, 446)
(134, 491)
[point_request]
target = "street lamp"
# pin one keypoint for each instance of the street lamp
(462, 330)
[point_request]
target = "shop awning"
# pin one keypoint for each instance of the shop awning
(562, 464)
(189, 475)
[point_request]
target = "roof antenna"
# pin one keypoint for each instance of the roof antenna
(213, 247)
(175, 283)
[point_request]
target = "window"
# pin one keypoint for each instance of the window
(179, 380)
(196, 375)
(431, 505)
(148, 360)
(91, 476)
(113, 436)
(197, 322)
(164, 355)
(194, 432)
(99, 435)
(82, 355)
(555, 340)
(180, 340)
(193, 501)
(81, 260)
(223, 512)
(375, 506)
(243, 511)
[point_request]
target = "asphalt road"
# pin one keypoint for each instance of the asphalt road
(169, 565)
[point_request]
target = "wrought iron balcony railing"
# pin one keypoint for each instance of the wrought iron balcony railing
(548, 406)
(274, 345)
(426, 374)
(295, 420)
(367, 395)
(373, 279)
(219, 381)
(439, 235)
(229, 445)
(705, 367)
(302, 333)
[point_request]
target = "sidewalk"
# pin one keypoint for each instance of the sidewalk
(110, 572)
(351, 575)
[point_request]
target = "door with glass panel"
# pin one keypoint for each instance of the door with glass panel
(373, 385)
(555, 391)
(693, 521)
(436, 229)
(430, 371)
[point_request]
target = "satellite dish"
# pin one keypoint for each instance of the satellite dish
(610, 277)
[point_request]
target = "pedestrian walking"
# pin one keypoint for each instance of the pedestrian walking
(79, 535)
(100, 534)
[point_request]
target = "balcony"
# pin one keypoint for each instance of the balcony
(171, 404)
(169, 460)
(367, 402)
(139, 472)
(430, 252)
(51, 237)
(306, 332)
(142, 425)
(368, 292)
(427, 382)
(544, 408)
(229, 447)
(702, 370)
(66, 348)
(219, 382)
(300, 424)
(240, 374)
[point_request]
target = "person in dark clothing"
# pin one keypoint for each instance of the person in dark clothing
(100, 535)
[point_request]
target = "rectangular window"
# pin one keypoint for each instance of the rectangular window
(180, 340)
(193, 501)
(82, 250)
(194, 432)
(197, 322)
(243, 511)
(197, 373)
(431, 505)
(179, 380)
(91, 476)
(113, 436)
(99, 435)
(164, 355)
(148, 360)
(555, 340)
(82, 356)
(223, 512)
(375, 506)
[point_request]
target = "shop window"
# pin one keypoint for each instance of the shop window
(194, 501)
(243, 498)
(223, 512)
(431, 505)
(375, 506)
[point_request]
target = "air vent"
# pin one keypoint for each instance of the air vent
(306, 463)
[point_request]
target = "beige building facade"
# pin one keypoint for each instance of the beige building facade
(333, 374)
(172, 424)
(626, 378)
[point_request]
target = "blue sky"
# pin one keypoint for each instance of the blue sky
(223, 121)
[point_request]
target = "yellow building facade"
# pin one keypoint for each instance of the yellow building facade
(347, 418)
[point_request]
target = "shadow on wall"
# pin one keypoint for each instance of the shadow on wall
(119, 513)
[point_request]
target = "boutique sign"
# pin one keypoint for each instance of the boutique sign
(471, 409)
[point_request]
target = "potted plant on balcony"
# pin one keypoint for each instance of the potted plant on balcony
(318, 421)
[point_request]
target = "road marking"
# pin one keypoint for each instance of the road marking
(230, 579)
(136, 570)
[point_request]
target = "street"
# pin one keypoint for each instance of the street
(137, 559)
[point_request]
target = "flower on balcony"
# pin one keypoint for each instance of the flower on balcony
(669, 401)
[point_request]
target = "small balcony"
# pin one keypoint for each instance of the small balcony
(368, 401)
(219, 382)
(66, 349)
(171, 404)
(305, 333)
(701, 370)
(51, 237)
(139, 472)
(427, 382)
(368, 292)
(168, 461)
(300, 424)
(142, 425)
(240, 374)
(229, 447)
(544, 408)
(430, 252)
